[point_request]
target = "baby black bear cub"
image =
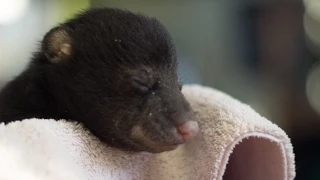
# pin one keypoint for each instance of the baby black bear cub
(111, 70)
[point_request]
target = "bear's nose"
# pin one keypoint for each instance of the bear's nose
(188, 129)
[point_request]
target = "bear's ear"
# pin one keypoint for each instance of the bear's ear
(56, 44)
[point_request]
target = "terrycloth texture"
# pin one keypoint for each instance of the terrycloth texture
(235, 143)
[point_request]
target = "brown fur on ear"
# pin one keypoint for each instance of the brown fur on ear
(57, 45)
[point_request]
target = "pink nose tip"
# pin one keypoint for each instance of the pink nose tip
(188, 129)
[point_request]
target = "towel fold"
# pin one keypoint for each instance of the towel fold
(235, 143)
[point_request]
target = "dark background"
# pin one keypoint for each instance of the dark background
(264, 53)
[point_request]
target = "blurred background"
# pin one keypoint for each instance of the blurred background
(262, 52)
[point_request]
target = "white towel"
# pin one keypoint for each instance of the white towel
(235, 143)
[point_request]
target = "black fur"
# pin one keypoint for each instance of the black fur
(121, 72)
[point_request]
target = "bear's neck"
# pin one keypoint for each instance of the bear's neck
(27, 96)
